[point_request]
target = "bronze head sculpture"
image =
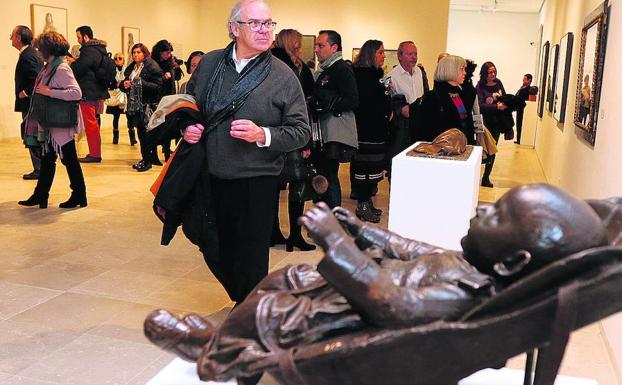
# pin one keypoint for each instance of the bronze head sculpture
(370, 277)
(450, 142)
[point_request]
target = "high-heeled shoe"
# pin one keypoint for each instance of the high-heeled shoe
(74, 201)
(277, 239)
(299, 243)
(35, 200)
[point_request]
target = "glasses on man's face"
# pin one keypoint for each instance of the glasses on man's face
(255, 25)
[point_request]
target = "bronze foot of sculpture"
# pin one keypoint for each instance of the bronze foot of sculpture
(184, 337)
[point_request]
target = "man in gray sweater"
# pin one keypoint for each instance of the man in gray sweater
(254, 111)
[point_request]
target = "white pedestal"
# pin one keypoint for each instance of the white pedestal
(180, 372)
(432, 200)
(530, 119)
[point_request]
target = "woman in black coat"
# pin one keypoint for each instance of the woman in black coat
(287, 48)
(372, 119)
(143, 83)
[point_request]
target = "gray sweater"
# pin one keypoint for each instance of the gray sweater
(277, 104)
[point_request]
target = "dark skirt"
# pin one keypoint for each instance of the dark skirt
(116, 110)
(369, 163)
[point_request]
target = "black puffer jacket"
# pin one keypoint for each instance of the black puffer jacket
(84, 68)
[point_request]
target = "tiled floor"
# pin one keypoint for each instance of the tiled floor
(75, 285)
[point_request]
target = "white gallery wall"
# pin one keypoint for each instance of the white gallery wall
(568, 161)
(157, 19)
(501, 37)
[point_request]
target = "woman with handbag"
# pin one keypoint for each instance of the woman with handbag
(53, 120)
(372, 125)
(296, 172)
(489, 92)
(115, 105)
(143, 84)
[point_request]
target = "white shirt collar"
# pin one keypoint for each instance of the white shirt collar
(240, 63)
(23, 48)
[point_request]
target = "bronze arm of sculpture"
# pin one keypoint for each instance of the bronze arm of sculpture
(392, 244)
(381, 294)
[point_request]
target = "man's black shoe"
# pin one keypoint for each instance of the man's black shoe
(32, 176)
(90, 159)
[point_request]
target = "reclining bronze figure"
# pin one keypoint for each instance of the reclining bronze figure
(380, 308)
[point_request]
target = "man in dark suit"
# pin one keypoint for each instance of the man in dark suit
(522, 94)
(28, 66)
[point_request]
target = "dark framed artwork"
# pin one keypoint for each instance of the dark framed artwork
(307, 55)
(544, 62)
(551, 77)
(563, 75)
(590, 76)
(46, 18)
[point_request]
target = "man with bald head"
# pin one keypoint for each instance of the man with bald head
(253, 112)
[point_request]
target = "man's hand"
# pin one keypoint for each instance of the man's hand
(248, 131)
(22, 94)
(322, 225)
(406, 111)
(167, 75)
(127, 84)
(348, 220)
(192, 134)
(306, 153)
(501, 106)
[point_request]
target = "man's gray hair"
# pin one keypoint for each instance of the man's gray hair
(448, 68)
(400, 48)
(235, 14)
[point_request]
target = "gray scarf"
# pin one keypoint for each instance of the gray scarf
(327, 63)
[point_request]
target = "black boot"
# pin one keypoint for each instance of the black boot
(487, 171)
(295, 230)
(34, 200)
(374, 209)
(132, 135)
(75, 200)
(364, 212)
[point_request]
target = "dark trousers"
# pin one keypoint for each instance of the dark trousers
(519, 123)
(330, 169)
(245, 210)
(48, 170)
(147, 149)
(399, 139)
(363, 189)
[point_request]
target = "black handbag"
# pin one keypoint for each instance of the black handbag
(53, 112)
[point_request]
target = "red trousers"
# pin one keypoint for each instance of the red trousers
(91, 128)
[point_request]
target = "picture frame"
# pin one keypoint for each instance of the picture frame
(590, 75)
(544, 60)
(307, 55)
(390, 60)
(129, 37)
(563, 76)
(44, 18)
(551, 77)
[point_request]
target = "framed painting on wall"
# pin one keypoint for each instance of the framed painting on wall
(544, 60)
(307, 55)
(563, 74)
(45, 18)
(129, 37)
(590, 76)
(551, 77)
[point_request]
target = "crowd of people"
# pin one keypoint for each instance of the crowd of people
(267, 121)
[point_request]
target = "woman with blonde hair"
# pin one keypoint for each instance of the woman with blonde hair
(288, 48)
(55, 81)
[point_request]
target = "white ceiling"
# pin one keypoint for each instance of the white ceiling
(527, 6)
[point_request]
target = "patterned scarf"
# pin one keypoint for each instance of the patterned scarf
(219, 104)
(459, 105)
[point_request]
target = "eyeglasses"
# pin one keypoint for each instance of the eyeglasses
(255, 25)
(118, 58)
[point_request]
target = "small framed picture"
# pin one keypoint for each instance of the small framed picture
(45, 18)
(129, 37)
